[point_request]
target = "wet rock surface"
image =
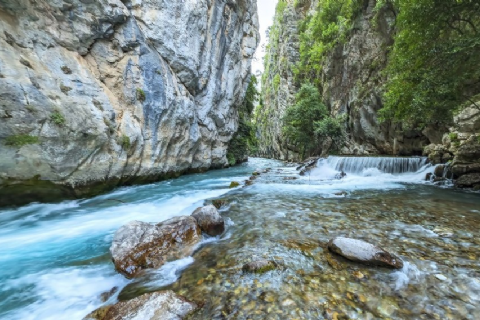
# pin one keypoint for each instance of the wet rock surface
(209, 220)
(163, 305)
(364, 252)
(139, 245)
(259, 266)
(470, 180)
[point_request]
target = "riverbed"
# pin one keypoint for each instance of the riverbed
(55, 261)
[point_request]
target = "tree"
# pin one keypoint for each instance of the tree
(434, 65)
(299, 120)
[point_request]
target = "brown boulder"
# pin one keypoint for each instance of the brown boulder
(162, 305)
(139, 245)
(209, 220)
(468, 180)
(364, 252)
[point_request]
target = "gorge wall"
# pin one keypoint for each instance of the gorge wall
(351, 84)
(96, 94)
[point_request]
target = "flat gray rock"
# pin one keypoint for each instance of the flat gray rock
(364, 252)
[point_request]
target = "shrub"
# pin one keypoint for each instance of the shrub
(125, 142)
(453, 136)
(57, 118)
(21, 140)
(141, 95)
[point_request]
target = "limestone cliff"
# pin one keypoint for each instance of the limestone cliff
(351, 84)
(96, 94)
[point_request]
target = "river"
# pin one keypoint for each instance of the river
(55, 264)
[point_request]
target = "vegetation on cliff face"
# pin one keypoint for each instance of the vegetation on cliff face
(434, 66)
(244, 141)
(308, 122)
(427, 70)
(321, 32)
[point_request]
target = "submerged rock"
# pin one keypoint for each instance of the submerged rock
(259, 266)
(234, 184)
(108, 294)
(139, 245)
(218, 203)
(209, 220)
(162, 305)
(364, 252)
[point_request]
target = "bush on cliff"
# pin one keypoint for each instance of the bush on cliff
(308, 122)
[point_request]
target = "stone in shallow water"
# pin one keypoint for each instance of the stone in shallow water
(234, 184)
(139, 245)
(259, 266)
(162, 305)
(209, 220)
(364, 252)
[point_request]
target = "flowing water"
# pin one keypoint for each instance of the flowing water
(55, 264)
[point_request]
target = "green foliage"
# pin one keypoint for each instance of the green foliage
(433, 67)
(320, 33)
(244, 142)
(299, 120)
(57, 118)
(141, 95)
(21, 140)
(453, 136)
(251, 95)
(276, 82)
(125, 142)
(330, 127)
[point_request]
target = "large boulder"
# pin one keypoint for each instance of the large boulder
(468, 180)
(139, 245)
(209, 220)
(364, 252)
(162, 305)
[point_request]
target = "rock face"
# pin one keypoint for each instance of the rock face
(139, 245)
(471, 180)
(364, 252)
(162, 305)
(351, 81)
(209, 220)
(95, 94)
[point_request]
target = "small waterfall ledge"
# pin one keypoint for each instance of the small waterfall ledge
(357, 165)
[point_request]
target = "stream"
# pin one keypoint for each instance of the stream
(55, 261)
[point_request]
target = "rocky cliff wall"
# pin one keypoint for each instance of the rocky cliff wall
(96, 94)
(351, 84)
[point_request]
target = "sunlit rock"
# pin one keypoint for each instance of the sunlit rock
(364, 252)
(139, 245)
(209, 220)
(162, 305)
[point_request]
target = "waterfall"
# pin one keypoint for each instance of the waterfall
(357, 165)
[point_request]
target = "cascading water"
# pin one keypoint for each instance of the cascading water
(357, 165)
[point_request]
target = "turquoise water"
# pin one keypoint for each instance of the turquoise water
(55, 262)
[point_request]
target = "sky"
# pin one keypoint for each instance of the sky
(266, 11)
